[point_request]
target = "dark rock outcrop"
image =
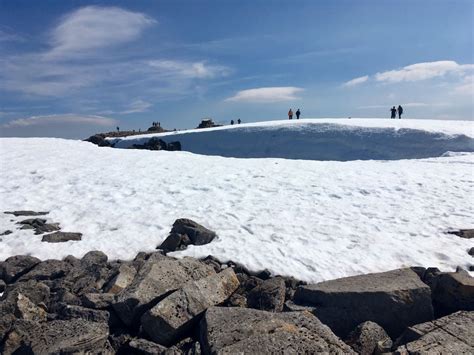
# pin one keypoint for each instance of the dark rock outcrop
(26, 213)
(394, 300)
(249, 331)
(464, 233)
(98, 139)
(155, 143)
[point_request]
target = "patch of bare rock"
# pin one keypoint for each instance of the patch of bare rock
(158, 304)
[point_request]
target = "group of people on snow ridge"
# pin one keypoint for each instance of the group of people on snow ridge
(238, 121)
(290, 114)
(394, 111)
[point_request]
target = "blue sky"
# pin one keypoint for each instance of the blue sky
(72, 68)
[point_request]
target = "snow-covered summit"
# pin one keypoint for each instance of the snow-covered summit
(323, 139)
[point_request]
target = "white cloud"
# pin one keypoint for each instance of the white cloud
(268, 94)
(7, 36)
(356, 81)
(466, 87)
(423, 71)
(93, 27)
(199, 70)
(134, 107)
(61, 119)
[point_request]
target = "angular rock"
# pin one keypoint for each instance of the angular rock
(124, 277)
(47, 270)
(47, 228)
(3, 285)
(453, 334)
(7, 232)
(97, 300)
(15, 266)
(369, 338)
(68, 312)
(198, 234)
(269, 296)
(250, 331)
(170, 318)
(471, 251)
(157, 277)
(26, 213)
(61, 237)
(27, 310)
(452, 292)
(37, 292)
(394, 300)
(174, 146)
(237, 300)
(57, 337)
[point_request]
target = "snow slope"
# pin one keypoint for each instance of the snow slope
(324, 139)
(315, 220)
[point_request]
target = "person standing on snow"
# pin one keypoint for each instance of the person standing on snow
(400, 111)
(393, 110)
(290, 114)
(298, 113)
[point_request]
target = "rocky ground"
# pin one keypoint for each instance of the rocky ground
(156, 304)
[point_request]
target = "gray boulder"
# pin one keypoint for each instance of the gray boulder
(250, 331)
(56, 337)
(37, 292)
(3, 285)
(268, 296)
(464, 233)
(61, 237)
(157, 277)
(94, 257)
(453, 334)
(369, 338)
(394, 300)
(452, 292)
(68, 312)
(172, 317)
(174, 242)
(15, 266)
(98, 139)
(471, 251)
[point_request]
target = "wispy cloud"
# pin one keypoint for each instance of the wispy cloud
(356, 81)
(93, 27)
(466, 87)
(422, 71)
(200, 70)
(267, 94)
(61, 119)
(136, 106)
(8, 36)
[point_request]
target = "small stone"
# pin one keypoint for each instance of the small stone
(471, 251)
(60, 237)
(7, 232)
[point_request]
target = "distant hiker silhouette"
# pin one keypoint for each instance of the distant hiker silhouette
(290, 114)
(232, 122)
(118, 129)
(239, 121)
(298, 113)
(400, 111)
(393, 110)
